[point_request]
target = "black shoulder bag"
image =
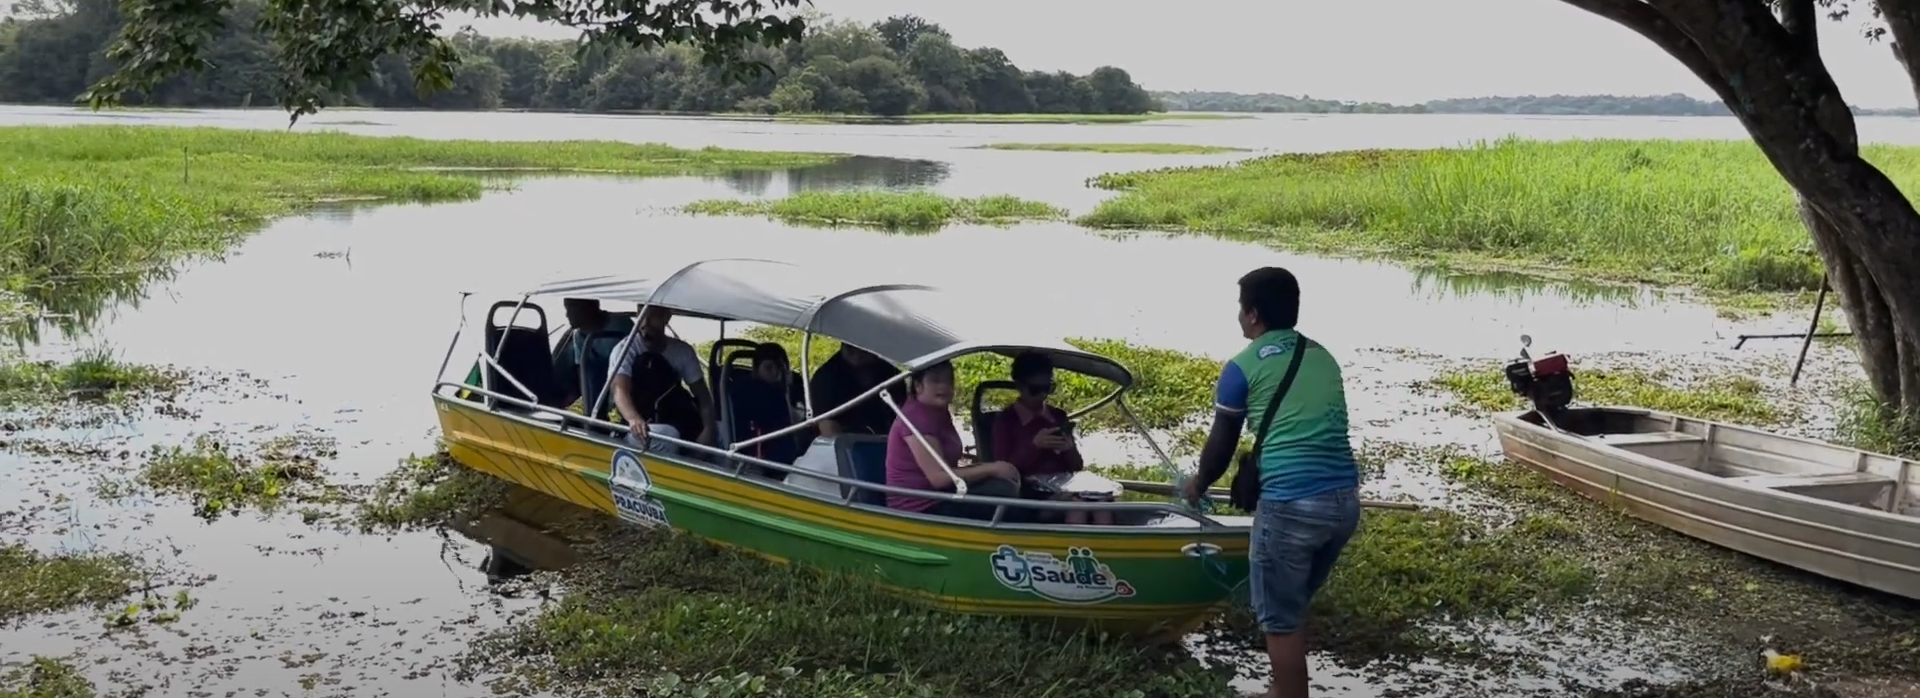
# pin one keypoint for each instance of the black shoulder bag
(1244, 494)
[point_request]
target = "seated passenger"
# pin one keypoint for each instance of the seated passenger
(851, 372)
(760, 405)
(1031, 434)
(911, 465)
(585, 352)
(659, 386)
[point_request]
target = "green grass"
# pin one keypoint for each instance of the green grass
(1734, 399)
(1170, 388)
(1711, 214)
(1128, 148)
(81, 201)
(33, 583)
(906, 211)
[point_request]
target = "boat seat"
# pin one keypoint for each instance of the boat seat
(1650, 437)
(983, 436)
(1849, 487)
(863, 457)
(526, 356)
(983, 417)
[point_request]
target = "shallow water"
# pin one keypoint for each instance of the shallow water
(345, 314)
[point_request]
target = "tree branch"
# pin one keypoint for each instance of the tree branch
(1647, 21)
(1801, 22)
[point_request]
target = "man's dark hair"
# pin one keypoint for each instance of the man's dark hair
(769, 351)
(1028, 364)
(1273, 295)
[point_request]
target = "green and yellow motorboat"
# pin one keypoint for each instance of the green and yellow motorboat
(1160, 570)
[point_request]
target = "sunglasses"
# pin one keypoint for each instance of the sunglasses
(1039, 388)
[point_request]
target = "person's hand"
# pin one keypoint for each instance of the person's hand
(1051, 438)
(1191, 490)
(638, 428)
(1005, 471)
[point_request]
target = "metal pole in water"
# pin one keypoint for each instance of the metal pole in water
(1819, 303)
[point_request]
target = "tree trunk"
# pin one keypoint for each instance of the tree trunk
(1770, 74)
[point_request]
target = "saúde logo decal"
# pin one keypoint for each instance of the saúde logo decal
(1079, 578)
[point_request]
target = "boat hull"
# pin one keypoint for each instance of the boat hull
(1137, 580)
(1721, 493)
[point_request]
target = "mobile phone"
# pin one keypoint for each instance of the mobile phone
(1066, 430)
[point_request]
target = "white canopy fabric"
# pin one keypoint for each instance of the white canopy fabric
(908, 324)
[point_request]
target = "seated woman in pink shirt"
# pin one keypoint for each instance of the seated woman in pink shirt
(1031, 434)
(910, 465)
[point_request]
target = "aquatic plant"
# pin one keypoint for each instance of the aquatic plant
(1117, 148)
(1706, 213)
(426, 491)
(32, 582)
(1170, 387)
(900, 211)
(644, 608)
(222, 478)
(96, 372)
(46, 677)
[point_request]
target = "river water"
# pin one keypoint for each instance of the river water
(344, 315)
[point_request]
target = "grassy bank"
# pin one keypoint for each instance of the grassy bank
(1731, 398)
(82, 201)
(1169, 389)
(1711, 214)
(1118, 148)
(905, 211)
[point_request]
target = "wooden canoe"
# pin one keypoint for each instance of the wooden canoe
(1836, 511)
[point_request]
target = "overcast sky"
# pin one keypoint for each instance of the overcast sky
(1380, 50)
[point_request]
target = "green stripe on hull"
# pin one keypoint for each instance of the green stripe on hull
(963, 576)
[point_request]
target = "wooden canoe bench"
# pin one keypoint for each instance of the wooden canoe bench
(1865, 489)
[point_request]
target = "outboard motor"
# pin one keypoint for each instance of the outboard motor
(1546, 383)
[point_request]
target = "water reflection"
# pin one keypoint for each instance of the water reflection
(1443, 283)
(853, 172)
(73, 307)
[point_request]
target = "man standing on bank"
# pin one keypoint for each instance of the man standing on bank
(1308, 502)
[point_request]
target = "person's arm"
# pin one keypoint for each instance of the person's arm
(695, 378)
(623, 399)
(1229, 416)
(826, 396)
(1071, 457)
(937, 476)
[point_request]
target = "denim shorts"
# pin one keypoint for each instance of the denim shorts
(1294, 547)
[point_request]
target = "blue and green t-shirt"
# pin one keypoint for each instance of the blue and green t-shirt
(1307, 448)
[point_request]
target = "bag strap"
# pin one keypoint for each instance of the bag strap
(1280, 393)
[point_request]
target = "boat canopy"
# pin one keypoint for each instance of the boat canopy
(913, 325)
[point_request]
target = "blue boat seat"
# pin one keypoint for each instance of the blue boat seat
(863, 457)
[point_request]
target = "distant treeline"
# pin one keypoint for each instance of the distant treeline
(51, 51)
(1569, 105)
